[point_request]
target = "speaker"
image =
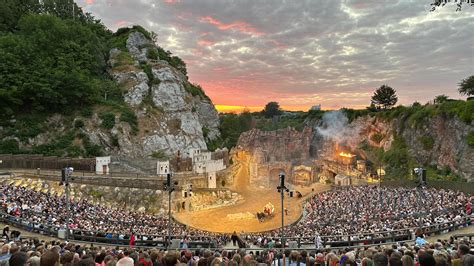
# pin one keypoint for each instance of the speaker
(63, 175)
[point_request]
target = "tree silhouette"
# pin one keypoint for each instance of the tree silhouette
(441, 3)
(466, 86)
(441, 99)
(271, 109)
(384, 97)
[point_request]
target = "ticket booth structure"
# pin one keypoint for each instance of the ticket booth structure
(162, 168)
(102, 165)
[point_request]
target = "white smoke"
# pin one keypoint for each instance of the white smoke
(335, 126)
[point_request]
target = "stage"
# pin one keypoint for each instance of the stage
(242, 216)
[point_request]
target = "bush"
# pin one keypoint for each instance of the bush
(63, 141)
(87, 112)
(160, 154)
(46, 149)
(427, 142)
(74, 151)
(26, 127)
(397, 160)
(9, 146)
(205, 132)
(114, 141)
(78, 123)
(152, 53)
(130, 117)
(108, 120)
(119, 38)
(470, 139)
(377, 138)
(195, 90)
(124, 59)
(92, 150)
(214, 144)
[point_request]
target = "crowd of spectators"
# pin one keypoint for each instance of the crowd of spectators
(372, 211)
(40, 253)
(362, 211)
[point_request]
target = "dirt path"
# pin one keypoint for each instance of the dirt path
(241, 217)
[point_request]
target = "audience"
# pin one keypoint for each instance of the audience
(358, 211)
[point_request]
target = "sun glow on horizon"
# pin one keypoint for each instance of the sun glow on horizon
(222, 108)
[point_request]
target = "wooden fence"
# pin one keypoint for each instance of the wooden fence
(30, 161)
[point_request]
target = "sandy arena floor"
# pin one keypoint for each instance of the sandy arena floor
(226, 219)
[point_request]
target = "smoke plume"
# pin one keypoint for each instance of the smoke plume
(335, 126)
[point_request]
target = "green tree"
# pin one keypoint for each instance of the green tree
(50, 64)
(466, 86)
(271, 109)
(441, 99)
(384, 97)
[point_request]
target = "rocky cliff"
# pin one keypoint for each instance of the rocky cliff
(436, 141)
(160, 112)
(171, 117)
(276, 146)
(430, 136)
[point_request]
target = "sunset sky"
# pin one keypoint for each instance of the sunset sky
(301, 53)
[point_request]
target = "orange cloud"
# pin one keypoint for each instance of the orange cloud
(240, 26)
(89, 2)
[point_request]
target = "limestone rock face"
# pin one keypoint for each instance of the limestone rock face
(208, 117)
(136, 93)
(450, 147)
(447, 140)
(170, 96)
(276, 146)
(138, 45)
(170, 119)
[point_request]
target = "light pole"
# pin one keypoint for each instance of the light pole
(170, 187)
(282, 189)
(66, 174)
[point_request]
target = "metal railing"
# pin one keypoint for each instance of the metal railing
(100, 237)
(354, 240)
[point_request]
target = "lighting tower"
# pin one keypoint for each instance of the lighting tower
(66, 176)
(170, 187)
(282, 189)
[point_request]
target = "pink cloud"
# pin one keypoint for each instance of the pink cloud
(279, 44)
(172, 1)
(240, 26)
(205, 42)
(120, 23)
(89, 2)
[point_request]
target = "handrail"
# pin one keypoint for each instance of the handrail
(53, 230)
(351, 235)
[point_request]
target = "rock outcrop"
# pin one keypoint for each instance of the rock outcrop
(273, 146)
(437, 141)
(163, 114)
(170, 118)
